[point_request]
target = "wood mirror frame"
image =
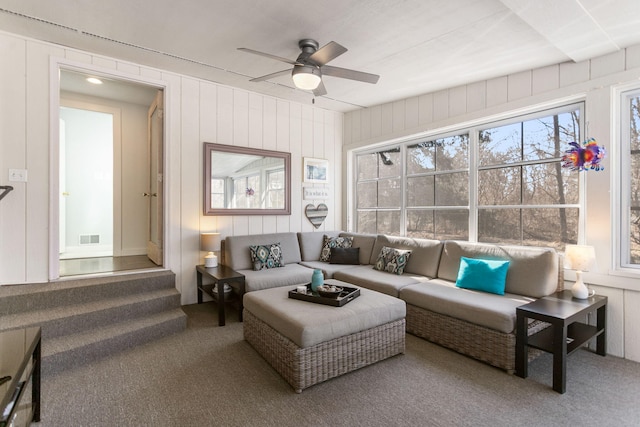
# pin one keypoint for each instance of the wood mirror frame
(228, 150)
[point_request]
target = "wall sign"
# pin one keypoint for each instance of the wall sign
(312, 193)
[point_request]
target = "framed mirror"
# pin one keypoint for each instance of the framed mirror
(246, 181)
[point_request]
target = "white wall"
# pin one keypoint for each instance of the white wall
(196, 111)
(594, 81)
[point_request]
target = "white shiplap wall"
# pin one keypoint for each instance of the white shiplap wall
(196, 111)
(595, 82)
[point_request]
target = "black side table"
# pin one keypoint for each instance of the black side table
(221, 275)
(565, 335)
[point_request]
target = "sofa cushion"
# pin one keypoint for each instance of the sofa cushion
(345, 256)
(363, 241)
(311, 243)
(334, 242)
(308, 324)
(482, 275)
(492, 311)
(290, 274)
(533, 271)
(236, 248)
(381, 281)
(266, 256)
(392, 260)
(329, 270)
(424, 258)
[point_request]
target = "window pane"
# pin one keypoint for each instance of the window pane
(367, 166)
(389, 163)
(634, 234)
(366, 222)
(452, 224)
(550, 227)
(388, 222)
(451, 153)
(367, 196)
(500, 145)
(500, 186)
(421, 191)
(389, 193)
(549, 136)
(452, 189)
(420, 223)
(549, 184)
(499, 225)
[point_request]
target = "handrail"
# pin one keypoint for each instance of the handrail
(7, 189)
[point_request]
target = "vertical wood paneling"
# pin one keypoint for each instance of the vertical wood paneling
(412, 112)
(457, 101)
(545, 79)
(189, 193)
(632, 55)
(632, 325)
(476, 96)
(425, 105)
(497, 91)
(241, 118)
(269, 112)
(519, 85)
(608, 64)
(386, 119)
(574, 72)
(37, 151)
(398, 116)
(376, 121)
(441, 105)
(225, 115)
(13, 220)
(255, 131)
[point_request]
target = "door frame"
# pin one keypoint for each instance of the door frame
(55, 65)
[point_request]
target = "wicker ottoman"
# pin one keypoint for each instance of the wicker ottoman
(308, 343)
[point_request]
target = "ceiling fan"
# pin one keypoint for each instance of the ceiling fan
(310, 66)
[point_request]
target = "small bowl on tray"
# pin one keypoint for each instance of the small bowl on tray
(329, 291)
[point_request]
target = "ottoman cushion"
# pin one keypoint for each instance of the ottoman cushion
(306, 323)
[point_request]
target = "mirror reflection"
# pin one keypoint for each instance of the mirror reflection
(246, 181)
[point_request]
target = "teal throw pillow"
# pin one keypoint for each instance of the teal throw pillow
(266, 256)
(392, 260)
(486, 275)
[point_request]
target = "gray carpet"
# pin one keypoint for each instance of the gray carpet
(209, 376)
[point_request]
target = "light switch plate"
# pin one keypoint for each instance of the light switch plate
(18, 175)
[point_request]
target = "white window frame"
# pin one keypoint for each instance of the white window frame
(472, 129)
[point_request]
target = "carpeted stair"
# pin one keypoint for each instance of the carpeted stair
(85, 319)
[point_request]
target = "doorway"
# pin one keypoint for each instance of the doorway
(105, 156)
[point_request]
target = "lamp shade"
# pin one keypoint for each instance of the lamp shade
(579, 257)
(210, 242)
(306, 77)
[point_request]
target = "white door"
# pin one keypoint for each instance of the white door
(155, 242)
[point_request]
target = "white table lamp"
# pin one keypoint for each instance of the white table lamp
(579, 258)
(210, 242)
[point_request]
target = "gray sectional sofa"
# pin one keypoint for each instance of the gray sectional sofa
(476, 323)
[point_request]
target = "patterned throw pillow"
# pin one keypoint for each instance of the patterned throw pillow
(392, 260)
(266, 256)
(333, 242)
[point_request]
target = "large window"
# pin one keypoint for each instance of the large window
(501, 182)
(630, 197)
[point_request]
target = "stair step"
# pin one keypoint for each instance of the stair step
(39, 296)
(75, 318)
(71, 350)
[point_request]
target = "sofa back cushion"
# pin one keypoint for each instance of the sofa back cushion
(425, 253)
(533, 271)
(365, 242)
(237, 253)
(311, 243)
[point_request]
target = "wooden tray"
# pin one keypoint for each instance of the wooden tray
(348, 294)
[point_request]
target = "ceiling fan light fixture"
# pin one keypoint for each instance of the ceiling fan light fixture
(306, 77)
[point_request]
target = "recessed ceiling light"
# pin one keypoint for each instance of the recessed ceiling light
(94, 80)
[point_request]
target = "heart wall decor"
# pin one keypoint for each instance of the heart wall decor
(316, 215)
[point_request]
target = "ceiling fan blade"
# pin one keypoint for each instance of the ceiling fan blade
(268, 55)
(327, 53)
(272, 75)
(320, 90)
(345, 73)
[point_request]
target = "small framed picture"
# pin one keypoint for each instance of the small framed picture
(316, 170)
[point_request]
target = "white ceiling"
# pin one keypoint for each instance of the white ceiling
(416, 46)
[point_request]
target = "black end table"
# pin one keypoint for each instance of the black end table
(221, 275)
(20, 363)
(566, 333)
